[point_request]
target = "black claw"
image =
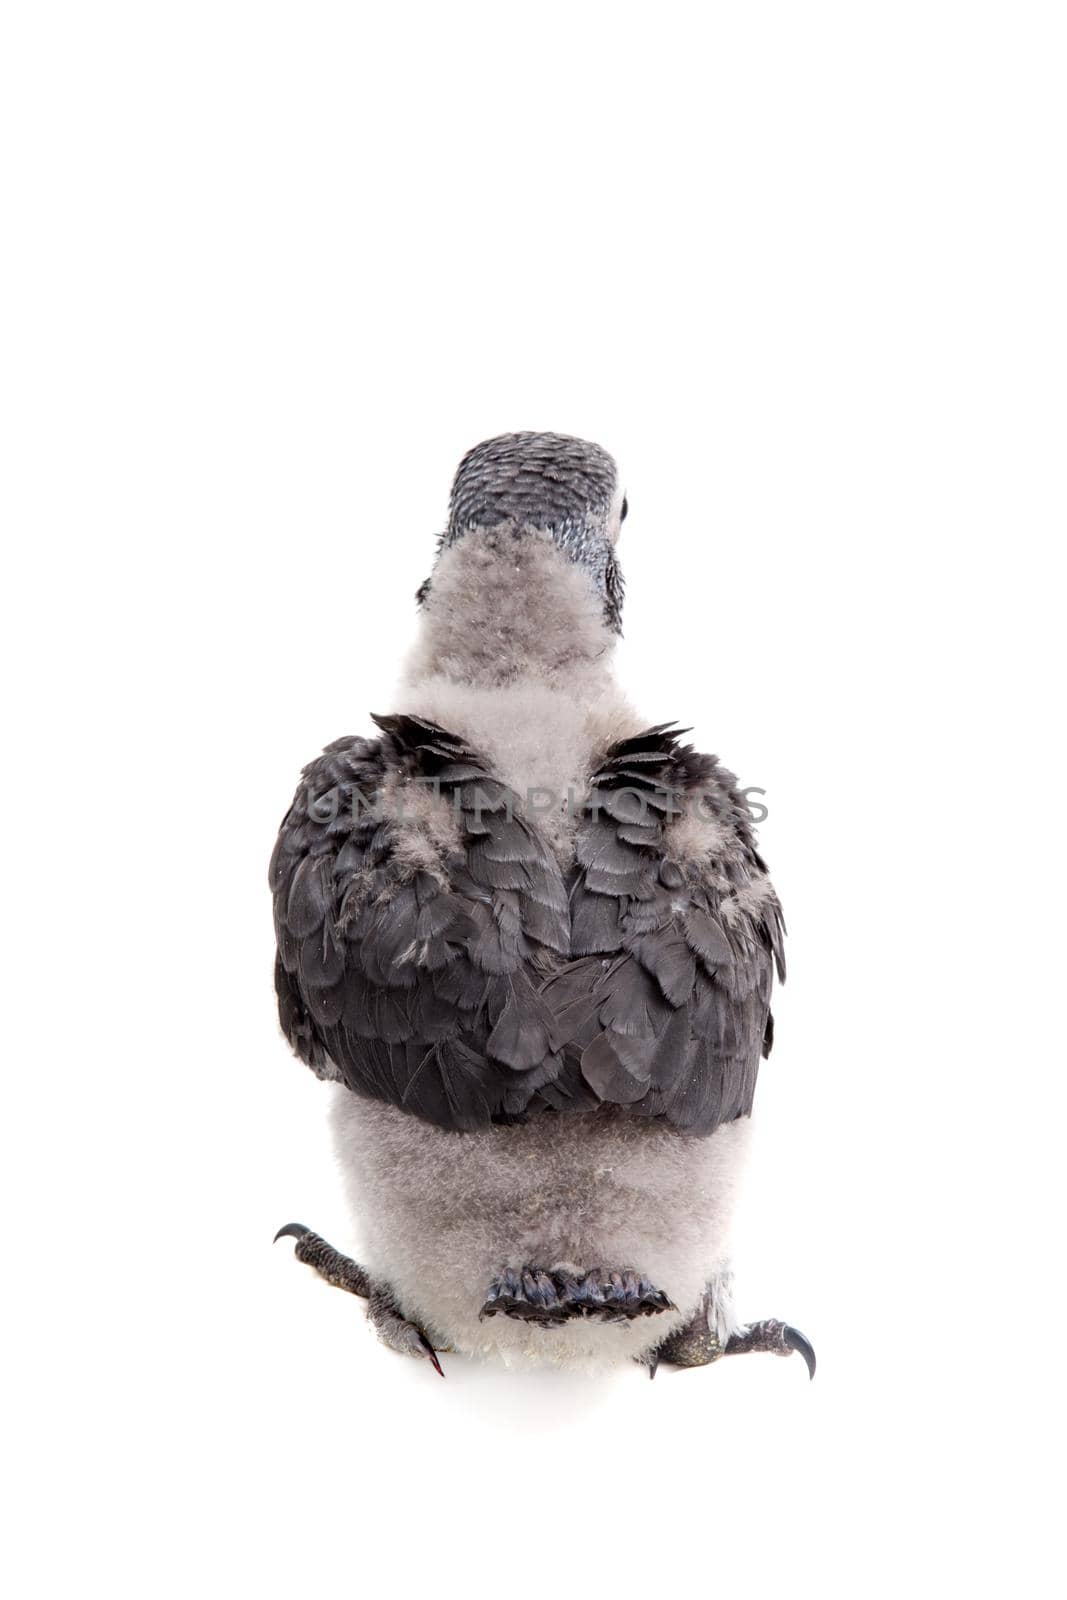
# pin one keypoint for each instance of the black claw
(292, 1230)
(796, 1341)
(431, 1353)
(653, 1364)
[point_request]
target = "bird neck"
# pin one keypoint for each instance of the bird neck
(503, 607)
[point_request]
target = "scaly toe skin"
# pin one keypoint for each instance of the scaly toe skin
(777, 1337)
(697, 1345)
(391, 1326)
(396, 1331)
(338, 1269)
(692, 1345)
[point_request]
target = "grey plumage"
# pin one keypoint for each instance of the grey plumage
(579, 994)
(546, 481)
(541, 480)
(518, 985)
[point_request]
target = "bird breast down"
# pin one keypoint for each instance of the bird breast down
(440, 1213)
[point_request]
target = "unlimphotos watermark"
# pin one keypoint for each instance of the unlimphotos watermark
(634, 807)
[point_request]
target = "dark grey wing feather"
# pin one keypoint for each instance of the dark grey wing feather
(490, 989)
(310, 857)
(666, 1008)
(417, 988)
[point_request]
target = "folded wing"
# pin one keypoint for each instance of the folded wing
(675, 931)
(418, 987)
(484, 985)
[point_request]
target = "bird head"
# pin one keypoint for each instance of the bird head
(547, 485)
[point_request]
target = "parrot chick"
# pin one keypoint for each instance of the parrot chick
(530, 940)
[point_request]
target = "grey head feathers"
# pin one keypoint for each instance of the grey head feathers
(568, 488)
(544, 480)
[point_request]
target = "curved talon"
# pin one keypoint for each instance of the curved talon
(653, 1364)
(292, 1230)
(795, 1340)
(431, 1352)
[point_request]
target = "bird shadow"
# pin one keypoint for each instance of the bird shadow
(533, 1398)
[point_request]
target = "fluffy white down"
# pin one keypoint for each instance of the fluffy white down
(504, 605)
(514, 655)
(439, 1213)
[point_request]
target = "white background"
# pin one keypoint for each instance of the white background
(270, 269)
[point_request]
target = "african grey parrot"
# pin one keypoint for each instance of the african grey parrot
(530, 941)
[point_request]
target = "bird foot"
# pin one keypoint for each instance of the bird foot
(551, 1298)
(697, 1344)
(388, 1321)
